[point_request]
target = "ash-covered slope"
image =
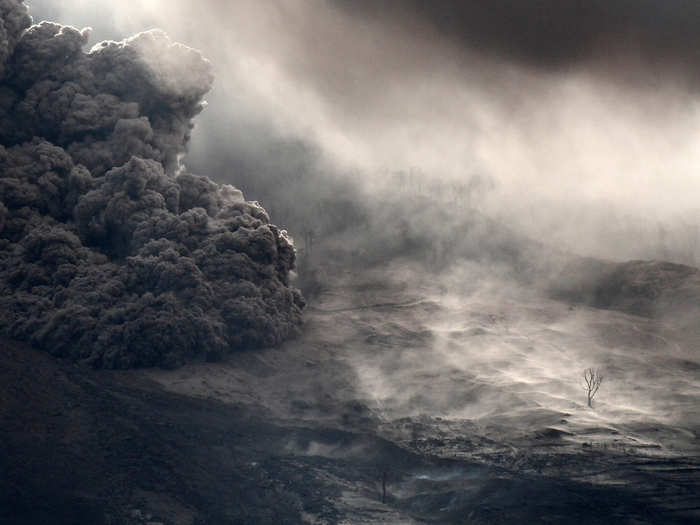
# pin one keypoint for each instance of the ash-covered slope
(656, 289)
(110, 252)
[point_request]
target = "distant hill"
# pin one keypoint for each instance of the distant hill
(646, 288)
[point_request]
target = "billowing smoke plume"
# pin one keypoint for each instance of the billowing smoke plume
(110, 252)
(13, 20)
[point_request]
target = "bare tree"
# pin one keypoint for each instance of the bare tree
(309, 236)
(384, 477)
(592, 378)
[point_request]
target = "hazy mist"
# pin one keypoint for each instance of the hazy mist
(585, 118)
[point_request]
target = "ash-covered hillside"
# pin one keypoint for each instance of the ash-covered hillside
(110, 252)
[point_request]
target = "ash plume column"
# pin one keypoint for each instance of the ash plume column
(110, 252)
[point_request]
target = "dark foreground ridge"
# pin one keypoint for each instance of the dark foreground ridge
(82, 446)
(110, 252)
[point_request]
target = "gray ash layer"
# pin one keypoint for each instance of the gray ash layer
(110, 252)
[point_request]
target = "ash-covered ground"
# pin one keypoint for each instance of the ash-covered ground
(485, 386)
(467, 402)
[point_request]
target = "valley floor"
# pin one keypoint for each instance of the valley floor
(463, 396)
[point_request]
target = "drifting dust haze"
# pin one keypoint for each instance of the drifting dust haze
(477, 347)
(582, 117)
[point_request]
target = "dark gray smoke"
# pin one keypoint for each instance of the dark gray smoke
(13, 20)
(554, 34)
(110, 252)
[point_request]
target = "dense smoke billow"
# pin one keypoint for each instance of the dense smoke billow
(111, 253)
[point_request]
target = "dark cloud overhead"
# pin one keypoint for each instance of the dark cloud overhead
(551, 33)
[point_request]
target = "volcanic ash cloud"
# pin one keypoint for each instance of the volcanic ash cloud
(110, 253)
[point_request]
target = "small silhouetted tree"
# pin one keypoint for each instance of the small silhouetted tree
(385, 475)
(309, 236)
(592, 378)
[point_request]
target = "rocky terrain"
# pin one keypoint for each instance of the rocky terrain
(466, 399)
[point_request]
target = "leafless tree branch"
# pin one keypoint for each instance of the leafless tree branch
(592, 378)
